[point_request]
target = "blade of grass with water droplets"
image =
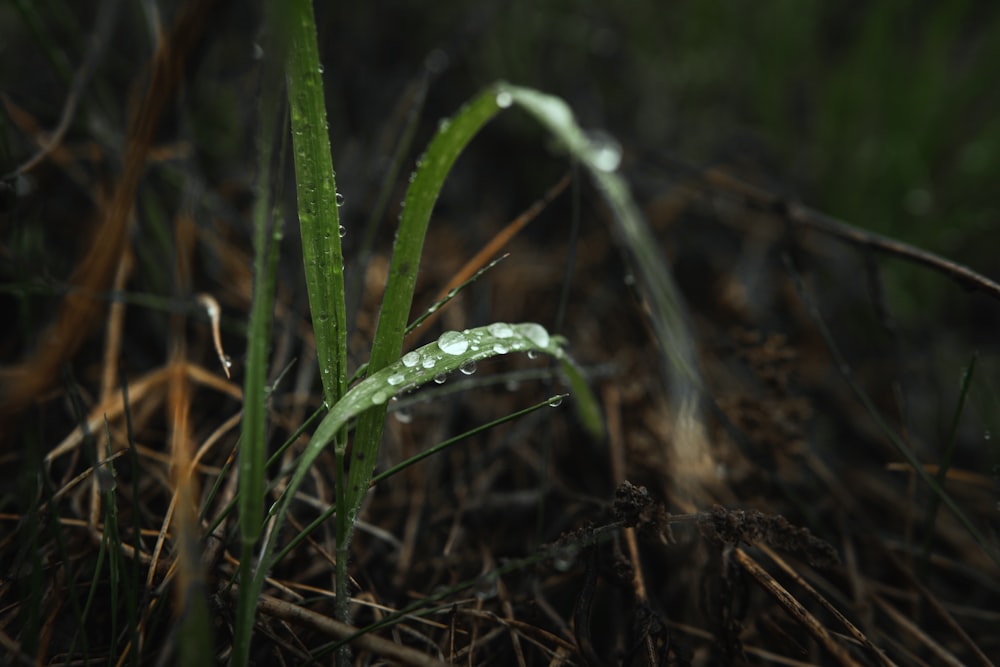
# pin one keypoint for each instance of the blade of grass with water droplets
(452, 137)
(415, 368)
(316, 186)
(601, 158)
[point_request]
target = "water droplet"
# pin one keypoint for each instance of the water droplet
(440, 378)
(320, 68)
(228, 363)
(468, 367)
(500, 329)
(395, 379)
(563, 558)
(555, 401)
(380, 397)
(452, 342)
(536, 333)
(500, 348)
(428, 362)
(411, 359)
(403, 416)
(106, 478)
(504, 99)
(444, 125)
(605, 151)
(342, 231)
(532, 354)
(486, 586)
(340, 200)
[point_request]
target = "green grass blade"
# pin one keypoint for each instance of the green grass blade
(945, 464)
(587, 406)
(253, 436)
(452, 137)
(447, 354)
(432, 169)
(601, 158)
(441, 446)
(552, 401)
(319, 220)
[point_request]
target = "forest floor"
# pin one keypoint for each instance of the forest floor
(775, 517)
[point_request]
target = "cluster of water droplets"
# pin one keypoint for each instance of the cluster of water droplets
(495, 339)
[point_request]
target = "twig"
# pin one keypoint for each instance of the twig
(806, 217)
(795, 608)
(99, 38)
(382, 647)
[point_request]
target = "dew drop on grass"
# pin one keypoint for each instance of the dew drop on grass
(504, 99)
(428, 362)
(340, 200)
(342, 231)
(468, 367)
(532, 354)
(555, 401)
(500, 348)
(453, 342)
(380, 397)
(536, 333)
(564, 558)
(440, 378)
(486, 586)
(605, 151)
(395, 379)
(411, 359)
(500, 329)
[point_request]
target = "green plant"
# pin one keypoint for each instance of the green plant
(389, 373)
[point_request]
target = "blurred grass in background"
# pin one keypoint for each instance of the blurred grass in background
(886, 115)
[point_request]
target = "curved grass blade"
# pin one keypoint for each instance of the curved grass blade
(432, 169)
(382, 476)
(425, 185)
(449, 294)
(447, 354)
(587, 407)
(601, 158)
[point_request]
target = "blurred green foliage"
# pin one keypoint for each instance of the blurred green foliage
(886, 115)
